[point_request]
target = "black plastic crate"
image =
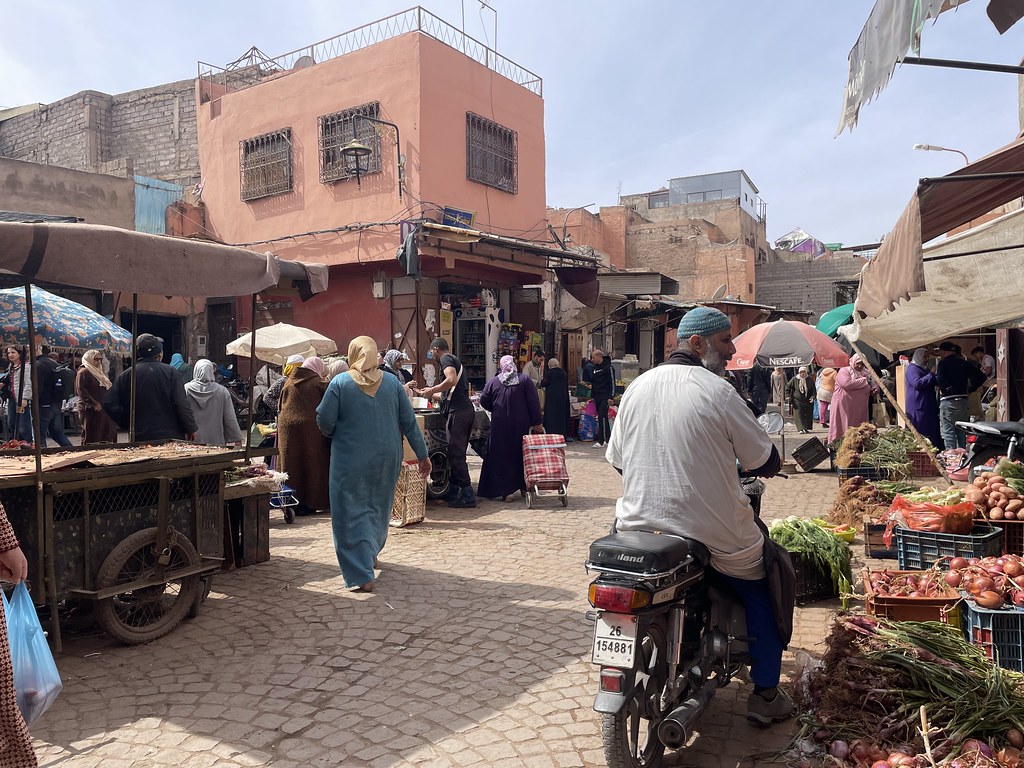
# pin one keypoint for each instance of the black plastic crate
(917, 550)
(810, 454)
(999, 633)
(812, 583)
(868, 473)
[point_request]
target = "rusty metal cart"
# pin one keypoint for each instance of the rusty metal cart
(140, 540)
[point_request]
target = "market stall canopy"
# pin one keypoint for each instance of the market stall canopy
(784, 344)
(61, 322)
(113, 259)
(892, 30)
(939, 205)
(831, 321)
(276, 343)
(975, 280)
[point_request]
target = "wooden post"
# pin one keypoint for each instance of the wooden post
(917, 435)
(252, 378)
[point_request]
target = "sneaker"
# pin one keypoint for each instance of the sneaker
(763, 713)
(598, 445)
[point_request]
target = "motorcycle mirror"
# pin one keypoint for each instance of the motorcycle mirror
(772, 423)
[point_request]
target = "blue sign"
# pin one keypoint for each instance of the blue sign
(453, 217)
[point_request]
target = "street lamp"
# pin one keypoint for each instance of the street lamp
(937, 148)
(565, 224)
(357, 151)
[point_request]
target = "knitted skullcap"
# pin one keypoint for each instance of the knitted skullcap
(703, 321)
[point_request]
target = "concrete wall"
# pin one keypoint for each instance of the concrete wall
(805, 285)
(154, 128)
(97, 198)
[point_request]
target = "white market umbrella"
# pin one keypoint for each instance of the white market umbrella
(276, 343)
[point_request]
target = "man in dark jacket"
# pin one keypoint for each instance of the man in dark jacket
(51, 399)
(161, 409)
(957, 378)
(602, 389)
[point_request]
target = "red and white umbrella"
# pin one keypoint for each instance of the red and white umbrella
(786, 344)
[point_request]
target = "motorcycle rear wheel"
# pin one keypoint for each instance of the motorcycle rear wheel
(630, 736)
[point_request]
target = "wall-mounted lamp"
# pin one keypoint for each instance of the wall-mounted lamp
(356, 151)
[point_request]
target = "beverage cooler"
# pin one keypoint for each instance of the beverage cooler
(476, 342)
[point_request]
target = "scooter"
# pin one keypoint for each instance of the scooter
(988, 440)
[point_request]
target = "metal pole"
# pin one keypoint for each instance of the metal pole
(976, 65)
(252, 378)
(135, 357)
(34, 376)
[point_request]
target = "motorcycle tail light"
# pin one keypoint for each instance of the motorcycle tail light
(612, 680)
(972, 438)
(618, 599)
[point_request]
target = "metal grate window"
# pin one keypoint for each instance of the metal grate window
(336, 130)
(265, 163)
(492, 154)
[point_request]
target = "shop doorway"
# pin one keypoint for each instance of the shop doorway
(170, 328)
(220, 319)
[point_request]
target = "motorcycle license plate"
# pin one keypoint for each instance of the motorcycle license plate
(615, 640)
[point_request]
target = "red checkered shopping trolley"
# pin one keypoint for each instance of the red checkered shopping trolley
(544, 467)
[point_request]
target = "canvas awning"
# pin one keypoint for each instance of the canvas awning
(938, 205)
(975, 280)
(114, 259)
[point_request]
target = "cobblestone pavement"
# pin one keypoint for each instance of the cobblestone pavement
(473, 651)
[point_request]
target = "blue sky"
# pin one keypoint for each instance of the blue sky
(635, 93)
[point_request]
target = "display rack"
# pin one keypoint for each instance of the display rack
(473, 352)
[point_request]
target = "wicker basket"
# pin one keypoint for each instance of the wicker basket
(410, 504)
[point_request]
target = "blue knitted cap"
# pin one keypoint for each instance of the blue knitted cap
(703, 321)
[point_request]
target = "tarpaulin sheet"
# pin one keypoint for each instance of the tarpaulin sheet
(969, 286)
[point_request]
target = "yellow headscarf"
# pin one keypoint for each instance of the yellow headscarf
(362, 364)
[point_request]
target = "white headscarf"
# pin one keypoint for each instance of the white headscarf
(509, 374)
(91, 361)
(203, 383)
(920, 357)
(801, 377)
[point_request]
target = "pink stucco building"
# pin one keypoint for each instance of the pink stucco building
(470, 136)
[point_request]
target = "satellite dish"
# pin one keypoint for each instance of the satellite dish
(303, 62)
(719, 292)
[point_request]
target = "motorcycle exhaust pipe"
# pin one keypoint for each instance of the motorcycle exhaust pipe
(677, 728)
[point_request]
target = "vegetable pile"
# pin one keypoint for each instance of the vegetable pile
(931, 584)
(999, 495)
(816, 545)
(866, 446)
(877, 675)
(991, 582)
(13, 445)
(859, 498)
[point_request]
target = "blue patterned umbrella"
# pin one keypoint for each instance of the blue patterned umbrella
(61, 322)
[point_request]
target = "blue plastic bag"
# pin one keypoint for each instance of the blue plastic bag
(36, 680)
(588, 427)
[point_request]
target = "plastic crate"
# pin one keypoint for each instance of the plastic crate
(868, 473)
(898, 608)
(812, 583)
(874, 546)
(917, 550)
(999, 633)
(922, 465)
(810, 454)
(1013, 535)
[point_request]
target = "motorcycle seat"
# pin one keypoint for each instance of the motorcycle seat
(1004, 427)
(645, 551)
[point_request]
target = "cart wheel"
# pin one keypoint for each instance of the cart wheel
(205, 585)
(564, 495)
(145, 614)
(440, 481)
(289, 514)
(529, 500)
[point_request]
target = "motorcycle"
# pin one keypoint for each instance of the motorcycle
(988, 440)
(668, 633)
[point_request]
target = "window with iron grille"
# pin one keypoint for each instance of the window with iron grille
(266, 164)
(492, 154)
(336, 130)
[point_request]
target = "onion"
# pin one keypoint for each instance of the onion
(860, 750)
(900, 759)
(983, 584)
(958, 563)
(1013, 568)
(975, 745)
(839, 749)
(1015, 737)
(820, 734)
(881, 764)
(953, 578)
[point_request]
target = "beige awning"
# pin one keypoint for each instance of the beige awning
(114, 259)
(975, 280)
(939, 205)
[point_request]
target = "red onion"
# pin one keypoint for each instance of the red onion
(839, 749)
